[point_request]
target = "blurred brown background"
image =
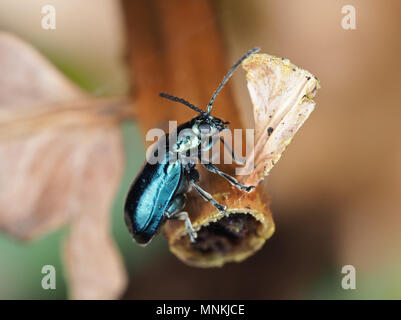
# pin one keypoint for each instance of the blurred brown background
(336, 191)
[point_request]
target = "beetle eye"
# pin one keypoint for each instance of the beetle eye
(205, 128)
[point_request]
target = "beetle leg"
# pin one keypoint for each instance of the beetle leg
(207, 196)
(229, 178)
(173, 212)
(233, 156)
(183, 215)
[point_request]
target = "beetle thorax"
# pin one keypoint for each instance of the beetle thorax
(186, 140)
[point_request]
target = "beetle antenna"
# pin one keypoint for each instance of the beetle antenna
(176, 99)
(228, 75)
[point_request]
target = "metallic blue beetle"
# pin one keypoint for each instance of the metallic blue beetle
(159, 190)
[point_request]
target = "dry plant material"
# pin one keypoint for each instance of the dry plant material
(232, 237)
(281, 95)
(61, 160)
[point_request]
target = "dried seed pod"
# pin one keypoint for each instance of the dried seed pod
(281, 95)
(230, 237)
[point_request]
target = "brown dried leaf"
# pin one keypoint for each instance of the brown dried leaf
(27, 78)
(31, 202)
(57, 166)
(93, 263)
(281, 95)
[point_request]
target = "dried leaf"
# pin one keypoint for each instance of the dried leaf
(281, 95)
(27, 78)
(93, 263)
(58, 165)
(38, 172)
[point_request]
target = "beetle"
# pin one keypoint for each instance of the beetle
(159, 190)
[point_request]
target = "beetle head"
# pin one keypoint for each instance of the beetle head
(201, 129)
(207, 126)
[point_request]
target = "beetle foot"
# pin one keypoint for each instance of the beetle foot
(192, 235)
(221, 208)
(249, 188)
